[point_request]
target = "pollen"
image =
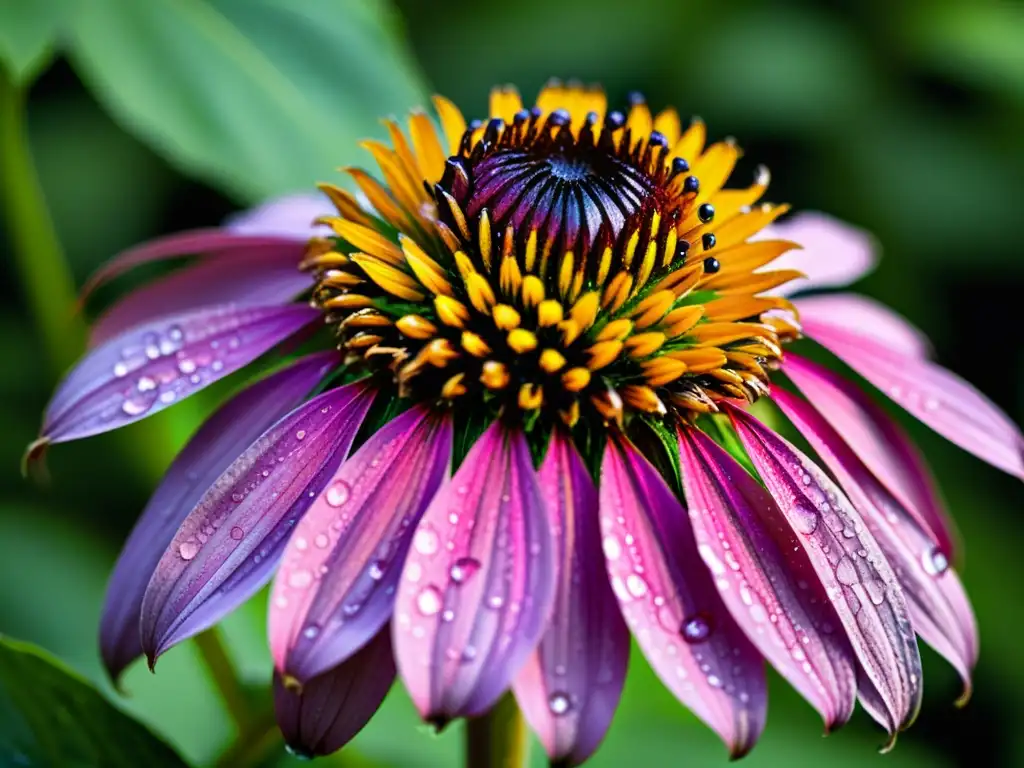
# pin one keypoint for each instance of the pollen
(566, 259)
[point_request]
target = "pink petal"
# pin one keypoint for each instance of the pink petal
(866, 317)
(939, 398)
(765, 578)
(263, 279)
(479, 582)
(922, 569)
(670, 603)
(327, 712)
(571, 685)
(143, 371)
(230, 543)
(833, 253)
(215, 445)
(849, 562)
(335, 588)
(212, 243)
(879, 442)
(290, 216)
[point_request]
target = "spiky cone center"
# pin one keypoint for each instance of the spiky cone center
(561, 260)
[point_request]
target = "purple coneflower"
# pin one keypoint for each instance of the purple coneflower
(531, 438)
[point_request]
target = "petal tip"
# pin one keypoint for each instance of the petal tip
(33, 462)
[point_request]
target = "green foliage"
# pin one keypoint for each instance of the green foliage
(28, 33)
(51, 717)
(260, 96)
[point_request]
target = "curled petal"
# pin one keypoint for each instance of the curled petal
(670, 602)
(858, 578)
(335, 587)
(833, 253)
(291, 216)
(212, 243)
(229, 544)
(936, 396)
(767, 583)
(479, 582)
(215, 445)
(327, 712)
(267, 276)
(883, 446)
(571, 685)
(931, 587)
(144, 370)
(866, 317)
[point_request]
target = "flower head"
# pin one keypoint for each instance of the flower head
(532, 438)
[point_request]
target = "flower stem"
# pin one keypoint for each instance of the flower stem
(225, 677)
(46, 281)
(499, 738)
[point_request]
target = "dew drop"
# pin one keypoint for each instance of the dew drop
(425, 541)
(612, 548)
(300, 435)
(338, 493)
(187, 366)
(559, 703)
(237, 533)
(428, 602)
(696, 628)
(846, 572)
(463, 568)
(376, 570)
(300, 579)
(120, 370)
(804, 518)
(135, 407)
(636, 585)
(935, 562)
(311, 632)
(321, 540)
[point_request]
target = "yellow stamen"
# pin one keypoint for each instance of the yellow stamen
(644, 344)
(481, 295)
(653, 308)
(368, 241)
(533, 291)
(565, 274)
(679, 321)
(551, 360)
(348, 301)
(453, 387)
(392, 280)
(549, 312)
(475, 345)
(630, 250)
(570, 331)
(451, 311)
(571, 415)
(530, 256)
(439, 352)
(584, 311)
(484, 239)
(505, 317)
(531, 397)
(427, 271)
(494, 375)
(647, 265)
(416, 327)
(522, 340)
(603, 353)
(363, 340)
(616, 330)
(575, 379)
(604, 265)
(643, 398)
(699, 360)
(511, 278)
(662, 370)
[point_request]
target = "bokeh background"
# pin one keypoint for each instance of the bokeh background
(145, 118)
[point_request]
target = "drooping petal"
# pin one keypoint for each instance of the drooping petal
(866, 317)
(211, 243)
(936, 396)
(879, 442)
(261, 280)
(833, 253)
(858, 578)
(327, 712)
(765, 578)
(670, 602)
(230, 543)
(571, 685)
(479, 582)
(157, 364)
(215, 445)
(931, 587)
(335, 587)
(291, 216)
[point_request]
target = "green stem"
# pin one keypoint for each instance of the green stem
(252, 747)
(498, 739)
(47, 284)
(225, 677)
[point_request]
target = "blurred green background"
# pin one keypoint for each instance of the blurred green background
(147, 118)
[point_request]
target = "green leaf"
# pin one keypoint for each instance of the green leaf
(28, 31)
(257, 96)
(51, 716)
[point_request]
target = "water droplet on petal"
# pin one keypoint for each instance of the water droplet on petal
(311, 632)
(935, 562)
(321, 540)
(846, 572)
(300, 435)
(188, 550)
(428, 602)
(612, 548)
(559, 703)
(636, 585)
(300, 579)
(135, 407)
(804, 518)
(338, 493)
(696, 628)
(425, 541)
(237, 533)
(463, 568)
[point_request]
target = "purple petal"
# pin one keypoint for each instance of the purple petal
(765, 578)
(879, 442)
(833, 253)
(849, 562)
(571, 685)
(326, 713)
(939, 398)
(215, 445)
(211, 243)
(670, 602)
(922, 569)
(479, 582)
(291, 216)
(266, 277)
(335, 587)
(866, 317)
(152, 366)
(230, 543)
